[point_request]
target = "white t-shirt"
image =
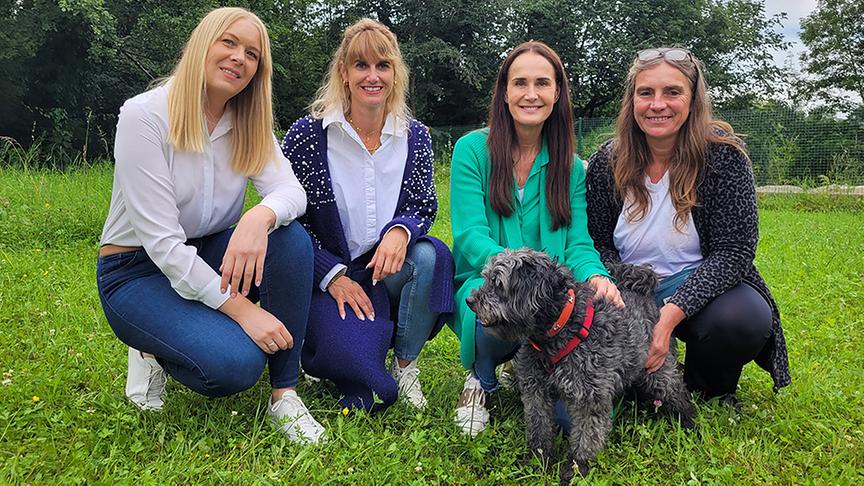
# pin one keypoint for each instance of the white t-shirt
(654, 240)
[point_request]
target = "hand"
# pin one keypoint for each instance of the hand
(605, 289)
(244, 257)
(670, 316)
(346, 291)
(390, 255)
(262, 327)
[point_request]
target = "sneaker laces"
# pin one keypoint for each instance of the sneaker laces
(471, 413)
(292, 417)
(408, 379)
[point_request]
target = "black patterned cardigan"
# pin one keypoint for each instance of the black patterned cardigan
(727, 222)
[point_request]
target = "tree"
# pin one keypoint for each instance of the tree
(597, 40)
(834, 35)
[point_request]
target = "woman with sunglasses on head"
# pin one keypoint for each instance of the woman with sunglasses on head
(366, 165)
(516, 184)
(184, 153)
(674, 189)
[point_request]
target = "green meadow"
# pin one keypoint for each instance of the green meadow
(64, 418)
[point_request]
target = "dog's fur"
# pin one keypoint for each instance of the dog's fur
(523, 294)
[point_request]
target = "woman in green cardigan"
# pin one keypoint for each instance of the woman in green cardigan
(516, 184)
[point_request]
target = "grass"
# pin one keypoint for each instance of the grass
(64, 419)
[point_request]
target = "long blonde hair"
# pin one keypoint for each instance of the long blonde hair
(252, 134)
(364, 36)
(631, 156)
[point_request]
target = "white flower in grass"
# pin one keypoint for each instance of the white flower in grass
(7, 382)
(7, 374)
(350, 470)
(233, 413)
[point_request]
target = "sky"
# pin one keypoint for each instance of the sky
(795, 11)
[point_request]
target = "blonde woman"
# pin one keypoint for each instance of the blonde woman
(367, 168)
(177, 280)
(674, 189)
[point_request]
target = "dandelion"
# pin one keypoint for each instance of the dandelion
(345, 411)
(36, 399)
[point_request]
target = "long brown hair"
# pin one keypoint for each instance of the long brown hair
(631, 156)
(557, 131)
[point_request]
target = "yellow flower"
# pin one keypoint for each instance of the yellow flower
(36, 399)
(345, 411)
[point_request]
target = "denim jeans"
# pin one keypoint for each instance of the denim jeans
(410, 287)
(201, 347)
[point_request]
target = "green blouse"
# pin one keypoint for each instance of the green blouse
(480, 233)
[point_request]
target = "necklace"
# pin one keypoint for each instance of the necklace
(520, 161)
(371, 141)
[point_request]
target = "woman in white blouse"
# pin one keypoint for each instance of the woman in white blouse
(184, 152)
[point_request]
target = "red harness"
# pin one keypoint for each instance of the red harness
(559, 325)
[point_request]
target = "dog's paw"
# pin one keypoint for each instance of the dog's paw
(569, 471)
(687, 423)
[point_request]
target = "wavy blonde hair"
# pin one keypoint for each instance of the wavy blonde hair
(631, 156)
(252, 134)
(364, 36)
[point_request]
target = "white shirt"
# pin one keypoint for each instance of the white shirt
(654, 239)
(162, 196)
(366, 186)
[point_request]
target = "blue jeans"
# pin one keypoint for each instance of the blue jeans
(410, 287)
(201, 347)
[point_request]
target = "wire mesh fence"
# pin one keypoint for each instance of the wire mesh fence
(787, 147)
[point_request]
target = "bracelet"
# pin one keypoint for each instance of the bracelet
(340, 273)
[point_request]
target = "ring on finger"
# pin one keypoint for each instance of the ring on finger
(272, 344)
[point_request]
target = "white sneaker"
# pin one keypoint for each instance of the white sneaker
(145, 381)
(408, 379)
(471, 414)
(291, 416)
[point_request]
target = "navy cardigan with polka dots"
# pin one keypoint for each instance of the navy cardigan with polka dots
(305, 146)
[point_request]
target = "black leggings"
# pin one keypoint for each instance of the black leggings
(729, 332)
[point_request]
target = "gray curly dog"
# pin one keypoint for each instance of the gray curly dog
(524, 293)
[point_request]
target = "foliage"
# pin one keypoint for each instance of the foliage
(75, 62)
(598, 39)
(65, 420)
(834, 36)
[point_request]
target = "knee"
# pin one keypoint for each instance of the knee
(422, 256)
(736, 321)
(290, 248)
(232, 373)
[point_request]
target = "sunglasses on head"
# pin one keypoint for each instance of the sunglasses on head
(675, 54)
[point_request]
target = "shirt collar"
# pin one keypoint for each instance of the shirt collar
(392, 125)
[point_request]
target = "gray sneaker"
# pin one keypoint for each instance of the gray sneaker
(290, 415)
(145, 382)
(472, 417)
